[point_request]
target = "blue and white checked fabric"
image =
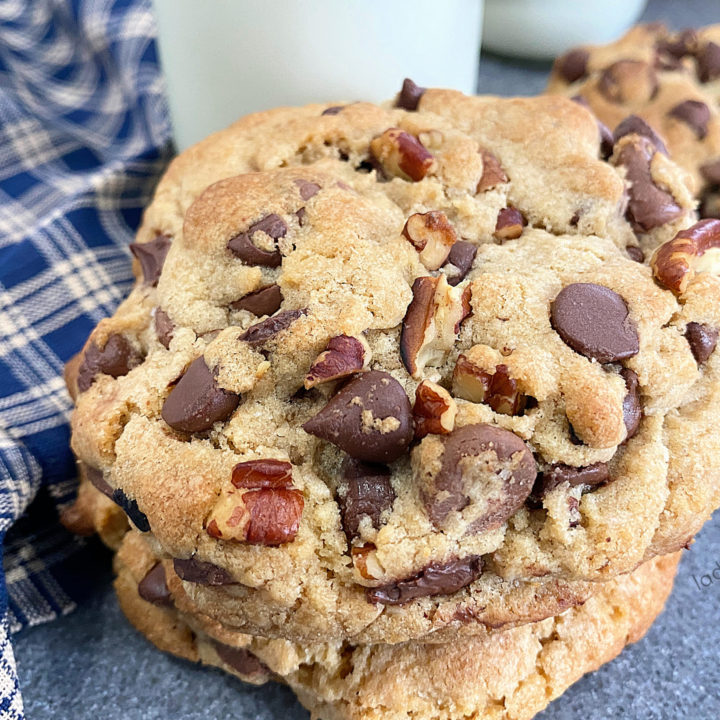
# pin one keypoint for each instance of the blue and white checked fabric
(84, 136)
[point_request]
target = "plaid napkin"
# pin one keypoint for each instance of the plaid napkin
(84, 136)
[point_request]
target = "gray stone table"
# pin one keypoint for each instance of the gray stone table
(91, 665)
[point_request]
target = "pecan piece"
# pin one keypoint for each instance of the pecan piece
(344, 356)
(401, 154)
(509, 225)
(432, 235)
(434, 410)
(693, 250)
(496, 389)
(431, 322)
(492, 174)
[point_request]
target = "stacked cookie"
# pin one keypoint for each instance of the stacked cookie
(411, 407)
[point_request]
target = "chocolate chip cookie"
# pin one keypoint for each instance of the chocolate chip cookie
(501, 674)
(383, 363)
(661, 84)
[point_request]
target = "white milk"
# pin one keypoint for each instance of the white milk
(226, 58)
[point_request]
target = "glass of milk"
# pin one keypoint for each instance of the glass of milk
(226, 58)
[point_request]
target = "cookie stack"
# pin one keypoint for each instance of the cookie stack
(411, 407)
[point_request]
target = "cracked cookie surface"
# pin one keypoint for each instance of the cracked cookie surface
(385, 368)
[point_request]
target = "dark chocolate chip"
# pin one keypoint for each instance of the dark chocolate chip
(164, 327)
(117, 358)
(648, 205)
(702, 340)
(307, 189)
(635, 125)
(606, 140)
(243, 247)
(202, 573)
(572, 66)
(240, 660)
(97, 479)
(462, 255)
(131, 510)
(694, 113)
(261, 332)
(365, 491)
(711, 172)
(332, 110)
(151, 256)
(682, 45)
(593, 320)
(370, 418)
(301, 215)
(620, 80)
(710, 206)
(441, 579)
(153, 587)
(197, 402)
(469, 454)
(265, 301)
(588, 476)
(635, 253)
(410, 95)
(632, 407)
(708, 62)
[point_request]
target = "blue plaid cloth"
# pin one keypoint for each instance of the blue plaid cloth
(84, 136)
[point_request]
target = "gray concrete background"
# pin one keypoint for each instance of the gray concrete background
(92, 665)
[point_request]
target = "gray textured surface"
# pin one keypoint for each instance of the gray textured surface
(92, 665)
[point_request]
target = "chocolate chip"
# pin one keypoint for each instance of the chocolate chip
(626, 79)
(151, 256)
(708, 62)
(153, 587)
(606, 137)
(588, 476)
(635, 253)
(462, 255)
(243, 247)
(572, 66)
(365, 491)
(261, 332)
(702, 340)
(97, 479)
(711, 172)
(332, 110)
(240, 660)
(301, 215)
(593, 320)
(131, 510)
(164, 327)
(635, 125)
(440, 579)
(632, 407)
(202, 573)
(410, 95)
(473, 457)
(307, 189)
(265, 301)
(370, 418)
(648, 205)
(694, 113)
(197, 402)
(683, 44)
(117, 358)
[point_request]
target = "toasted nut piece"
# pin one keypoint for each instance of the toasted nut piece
(264, 510)
(345, 355)
(497, 389)
(434, 410)
(493, 174)
(509, 225)
(432, 235)
(401, 154)
(694, 250)
(366, 563)
(432, 322)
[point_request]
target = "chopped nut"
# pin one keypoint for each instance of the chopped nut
(434, 410)
(432, 322)
(509, 225)
(496, 389)
(694, 250)
(433, 237)
(401, 154)
(345, 355)
(366, 563)
(493, 174)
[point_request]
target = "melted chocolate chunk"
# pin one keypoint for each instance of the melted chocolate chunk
(264, 301)
(695, 114)
(572, 66)
(116, 359)
(151, 256)
(164, 327)
(240, 660)
(462, 255)
(153, 587)
(202, 573)
(261, 332)
(243, 247)
(131, 510)
(635, 125)
(555, 475)
(365, 492)
(702, 340)
(409, 97)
